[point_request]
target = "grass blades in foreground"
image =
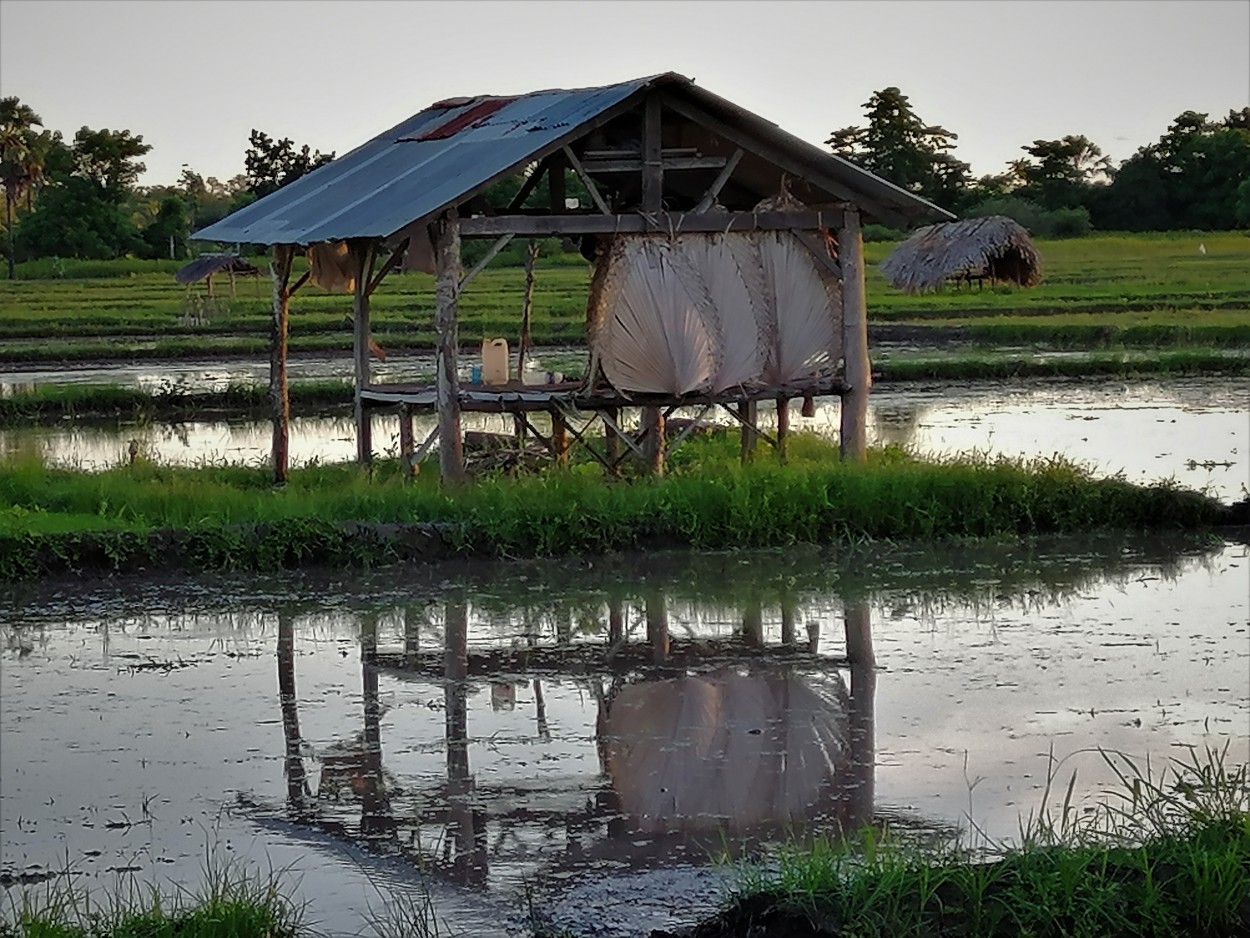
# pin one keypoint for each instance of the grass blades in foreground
(1168, 856)
(232, 903)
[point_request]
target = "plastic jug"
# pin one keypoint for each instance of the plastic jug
(495, 361)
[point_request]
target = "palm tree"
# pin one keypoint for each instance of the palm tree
(21, 159)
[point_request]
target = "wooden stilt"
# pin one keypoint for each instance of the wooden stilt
(560, 437)
(783, 426)
(611, 440)
(653, 427)
(445, 236)
(362, 252)
(748, 413)
(858, 370)
(279, 395)
(406, 444)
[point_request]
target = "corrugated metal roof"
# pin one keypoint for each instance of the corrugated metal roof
(414, 170)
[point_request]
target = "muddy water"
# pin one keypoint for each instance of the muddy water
(600, 729)
(1196, 432)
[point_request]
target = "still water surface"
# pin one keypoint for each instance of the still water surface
(565, 723)
(1196, 432)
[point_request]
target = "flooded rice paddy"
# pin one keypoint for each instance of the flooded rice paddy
(1196, 432)
(593, 734)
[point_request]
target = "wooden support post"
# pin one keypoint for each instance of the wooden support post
(611, 439)
(406, 444)
(279, 395)
(748, 413)
(858, 369)
(862, 735)
(445, 236)
(652, 158)
(560, 437)
(362, 252)
(654, 444)
(718, 183)
(783, 426)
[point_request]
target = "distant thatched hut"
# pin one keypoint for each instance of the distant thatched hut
(204, 266)
(994, 248)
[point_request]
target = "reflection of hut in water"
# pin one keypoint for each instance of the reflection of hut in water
(993, 248)
(728, 750)
(754, 739)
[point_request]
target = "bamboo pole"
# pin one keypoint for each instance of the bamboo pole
(279, 394)
(445, 236)
(854, 416)
(362, 252)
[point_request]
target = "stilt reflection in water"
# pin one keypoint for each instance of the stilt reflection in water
(703, 745)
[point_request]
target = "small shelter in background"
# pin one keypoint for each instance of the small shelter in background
(206, 266)
(729, 259)
(994, 248)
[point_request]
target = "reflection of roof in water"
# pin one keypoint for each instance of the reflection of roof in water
(727, 749)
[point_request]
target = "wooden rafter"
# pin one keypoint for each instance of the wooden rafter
(586, 180)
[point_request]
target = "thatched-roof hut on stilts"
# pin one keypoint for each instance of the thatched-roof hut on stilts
(729, 271)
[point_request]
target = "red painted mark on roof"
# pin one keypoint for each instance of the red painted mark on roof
(466, 118)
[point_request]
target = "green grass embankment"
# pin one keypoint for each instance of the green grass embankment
(1163, 857)
(145, 517)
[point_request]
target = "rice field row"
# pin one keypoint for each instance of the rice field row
(1149, 290)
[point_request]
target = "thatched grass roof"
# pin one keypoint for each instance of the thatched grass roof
(994, 247)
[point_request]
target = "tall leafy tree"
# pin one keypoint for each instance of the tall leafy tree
(109, 158)
(272, 164)
(897, 145)
(20, 160)
(83, 210)
(1190, 178)
(1059, 172)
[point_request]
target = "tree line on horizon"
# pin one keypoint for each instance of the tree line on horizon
(80, 198)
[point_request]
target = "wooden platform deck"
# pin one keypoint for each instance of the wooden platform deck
(515, 397)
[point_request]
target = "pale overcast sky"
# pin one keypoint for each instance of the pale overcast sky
(194, 76)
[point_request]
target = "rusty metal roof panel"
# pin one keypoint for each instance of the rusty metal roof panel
(444, 154)
(411, 171)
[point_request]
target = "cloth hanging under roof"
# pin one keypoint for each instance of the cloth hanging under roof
(332, 267)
